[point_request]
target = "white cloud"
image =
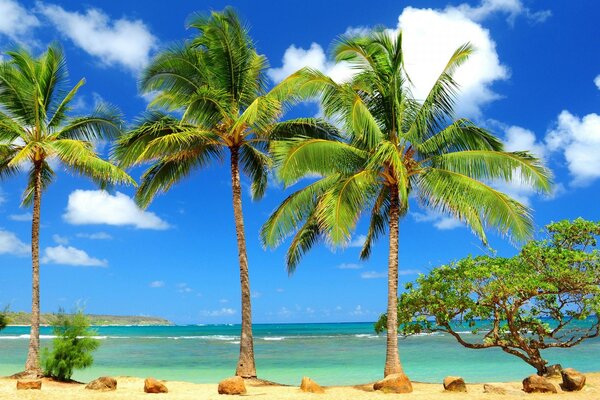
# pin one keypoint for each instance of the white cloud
(373, 275)
(440, 221)
(256, 295)
(157, 284)
(280, 290)
(521, 139)
(358, 241)
(11, 244)
(597, 81)
(513, 8)
(578, 139)
(60, 239)
(124, 42)
(95, 236)
(25, 217)
(69, 255)
(349, 266)
(427, 48)
(295, 58)
(15, 21)
(223, 312)
(99, 207)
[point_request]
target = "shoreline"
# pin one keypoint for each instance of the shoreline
(129, 387)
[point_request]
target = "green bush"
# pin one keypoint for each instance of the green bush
(72, 348)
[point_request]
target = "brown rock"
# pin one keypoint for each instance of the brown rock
(394, 383)
(487, 388)
(233, 385)
(538, 384)
(28, 384)
(310, 386)
(104, 383)
(553, 370)
(454, 384)
(151, 385)
(573, 380)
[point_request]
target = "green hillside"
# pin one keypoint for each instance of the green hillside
(23, 318)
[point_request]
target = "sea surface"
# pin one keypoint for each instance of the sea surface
(331, 354)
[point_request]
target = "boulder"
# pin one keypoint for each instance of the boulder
(29, 384)
(538, 384)
(233, 385)
(151, 385)
(553, 370)
(454, 384)
(572, 381)
(104, 383)
(487, 388)
(394, 383)
(310, 386)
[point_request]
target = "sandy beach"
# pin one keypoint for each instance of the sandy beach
(132, 388)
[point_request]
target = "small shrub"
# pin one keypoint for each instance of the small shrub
(3, 320)
(72, 348)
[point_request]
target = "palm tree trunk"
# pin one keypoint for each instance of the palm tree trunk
(246, 367)
(392, 359)
(32, 365)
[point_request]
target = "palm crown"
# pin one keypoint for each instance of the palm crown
(218, 82)
(35, 126)
(394, 146)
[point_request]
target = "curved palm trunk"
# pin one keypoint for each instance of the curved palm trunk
(392, 359)
(245, 367)
(32, 365)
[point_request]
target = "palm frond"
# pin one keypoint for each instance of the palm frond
(298, 157)
(255, 164)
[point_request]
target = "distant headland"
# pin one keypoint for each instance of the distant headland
(24, 318)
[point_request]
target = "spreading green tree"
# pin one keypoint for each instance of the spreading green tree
(216, 86)
(35, 129)
(545, 297)
(395, 146)
(72, 347)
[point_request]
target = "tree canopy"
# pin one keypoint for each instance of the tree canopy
(547, 296)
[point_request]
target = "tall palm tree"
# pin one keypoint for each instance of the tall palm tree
(395, 145)
(35, 128)
(217, 83)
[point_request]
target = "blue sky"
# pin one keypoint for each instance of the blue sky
(534, 81)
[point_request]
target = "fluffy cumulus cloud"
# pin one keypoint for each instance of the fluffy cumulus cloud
(578, 139)
(68, 255)
(156, 284)
(86, 207)
(428, 46)
(122, 42)
(15, 21)
(295, 58)
(11, 244)
(597, 81)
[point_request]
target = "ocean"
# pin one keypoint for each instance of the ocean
(331, 354)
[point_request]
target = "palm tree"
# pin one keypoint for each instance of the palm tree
(394, 146)
(35, 129)
(217, 83)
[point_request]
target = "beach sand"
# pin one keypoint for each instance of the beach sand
(132, 389)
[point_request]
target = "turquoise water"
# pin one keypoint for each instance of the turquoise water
(329, 353)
